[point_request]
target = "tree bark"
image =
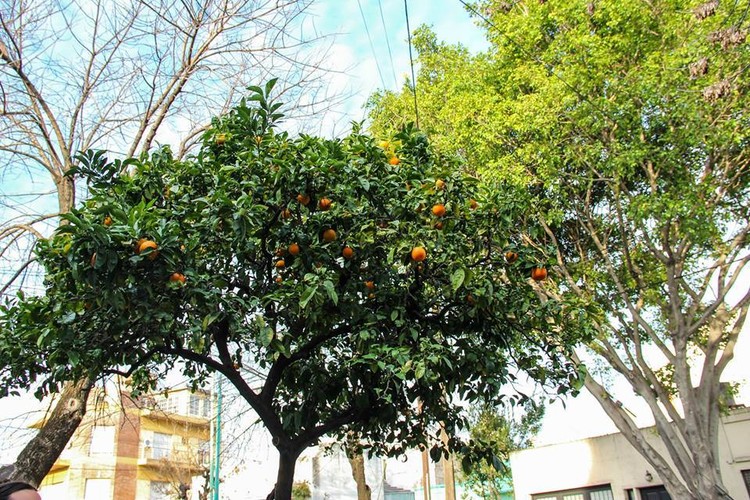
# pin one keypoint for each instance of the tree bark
(358, 473)
(285, 475)
(37, 458)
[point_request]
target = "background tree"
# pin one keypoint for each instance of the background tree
(87, 74)
(504, 431)
(627, 121)
(358, 277)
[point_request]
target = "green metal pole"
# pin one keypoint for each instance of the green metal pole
(217, 442)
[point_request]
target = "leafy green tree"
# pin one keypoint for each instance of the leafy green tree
(123, 76)
(356, 277)
(627, 122)
(503, 432)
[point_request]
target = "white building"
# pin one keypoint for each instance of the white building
(609, 468)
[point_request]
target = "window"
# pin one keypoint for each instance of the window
(746, 477)
(98, 489)
(654, 493)
(206, 407)
(603, 492)
(169, 404)
(102, 440)
(195, 405)
(162, 445)
(160, 490)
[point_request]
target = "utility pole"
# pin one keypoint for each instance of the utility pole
(215, 465)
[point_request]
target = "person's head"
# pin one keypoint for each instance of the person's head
(18, 491)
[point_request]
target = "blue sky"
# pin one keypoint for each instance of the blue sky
(367, 68)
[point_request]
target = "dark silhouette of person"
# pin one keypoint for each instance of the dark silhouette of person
(18, 491)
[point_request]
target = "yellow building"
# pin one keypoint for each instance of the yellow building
(147, 448)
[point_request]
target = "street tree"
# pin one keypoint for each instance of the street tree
(367, 281)
(123, 76)
(504, 430)
(627, 123)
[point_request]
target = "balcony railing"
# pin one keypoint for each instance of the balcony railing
(176, 456)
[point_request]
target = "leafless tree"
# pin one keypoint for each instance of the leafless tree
(124, 76)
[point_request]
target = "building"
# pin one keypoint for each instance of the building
(609, 468)
(128, 448)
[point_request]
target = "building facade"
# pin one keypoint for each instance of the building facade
(147, 448)
(609, 468)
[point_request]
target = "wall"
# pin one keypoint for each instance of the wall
(612, 460)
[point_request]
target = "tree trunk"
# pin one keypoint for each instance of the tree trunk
(285, 475)
(38, 457)
(358, 473)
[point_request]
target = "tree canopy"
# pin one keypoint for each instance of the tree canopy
(627, 122)
(351, 277)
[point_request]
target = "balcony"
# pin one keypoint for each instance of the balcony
(157, 413)
(180, 458)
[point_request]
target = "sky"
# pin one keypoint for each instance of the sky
(371, 44)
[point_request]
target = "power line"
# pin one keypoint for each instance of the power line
(372, 47)
(411, 63)
(387, 42)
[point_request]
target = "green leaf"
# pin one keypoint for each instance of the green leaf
(267, 336)
(331, 290)
(68, 318)
(307, 296)
(457, 278)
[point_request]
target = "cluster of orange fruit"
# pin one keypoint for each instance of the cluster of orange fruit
(538, 273)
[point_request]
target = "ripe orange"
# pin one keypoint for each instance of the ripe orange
(329, 235)
(370, 285)
(440, 184)
(371, 296)
(108, 221)
(178, 277)
(324, 204)
(393, 160)
(286, 213)
(278, 279)
(473, 204)
(438, 210)
(294, 249)
(418, 254)
(539, 274)
(220, 139)
(347, 252)
(280, 263)
(511, 256)
(303, 199)
(439, 225)
(144, 244)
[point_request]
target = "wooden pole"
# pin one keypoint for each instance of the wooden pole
(448, 473)
(426, 475)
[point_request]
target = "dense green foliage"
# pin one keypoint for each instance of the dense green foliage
(344, 344)
(627, 123)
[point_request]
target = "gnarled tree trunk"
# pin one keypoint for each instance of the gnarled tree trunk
(37, 458)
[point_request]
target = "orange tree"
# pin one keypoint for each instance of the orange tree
(319, 263)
